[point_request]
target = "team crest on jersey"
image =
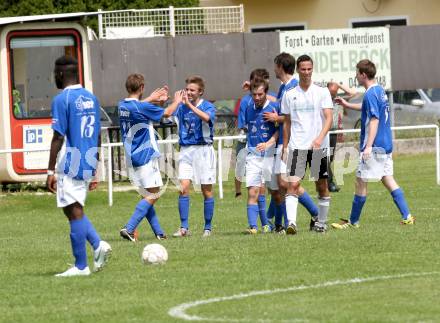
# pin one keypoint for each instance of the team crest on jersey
(83, 103)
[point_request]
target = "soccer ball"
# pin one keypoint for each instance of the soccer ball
(154, 254)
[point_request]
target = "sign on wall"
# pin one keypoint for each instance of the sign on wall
(36, 137)
(335, 52)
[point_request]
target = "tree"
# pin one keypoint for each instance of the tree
(10, 8)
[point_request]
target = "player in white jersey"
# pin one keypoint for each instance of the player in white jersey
(308, 118)
(284, 67)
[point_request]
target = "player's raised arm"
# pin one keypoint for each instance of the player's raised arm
(178, 98)
(353, 106)
(202, 115)
(159, 96)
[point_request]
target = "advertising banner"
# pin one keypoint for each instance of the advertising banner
(335, 52)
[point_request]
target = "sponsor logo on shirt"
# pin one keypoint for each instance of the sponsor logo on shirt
(83, 103)
(124, 113)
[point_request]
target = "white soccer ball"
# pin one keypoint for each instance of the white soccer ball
(154, 254)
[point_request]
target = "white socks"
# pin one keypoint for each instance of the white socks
(324, 206)
(291, 208)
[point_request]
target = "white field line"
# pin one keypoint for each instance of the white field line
(180, 310)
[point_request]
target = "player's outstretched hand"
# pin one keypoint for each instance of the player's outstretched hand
(341, 101)
(51, 183)
(165, 95)
(178, 96)
(270, 116)
(159, 95)
(185, 98)
(93, 185)
(246, 86)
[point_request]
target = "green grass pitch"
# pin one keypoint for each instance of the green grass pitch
(34, 245)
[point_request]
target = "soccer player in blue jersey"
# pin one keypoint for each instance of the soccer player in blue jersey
(376, 146)
(141, 150)
(75, 122)
(240, 155)
(197, 160)
(248, 103)
(261, 140)
(284, 67)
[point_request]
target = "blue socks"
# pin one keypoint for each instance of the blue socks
(92, 236)
(208, 212)
(306, 201)
(271, 211)
(252, 214)
(279, 214)
(78, 233)
(286, 222)
(184, 211)
(154, 221)
(140, 212)
(356, 208)
(399, 200)
(262, 209)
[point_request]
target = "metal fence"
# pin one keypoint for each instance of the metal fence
(170, 22)
(109, 169)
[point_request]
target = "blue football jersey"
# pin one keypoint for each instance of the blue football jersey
(293, 82)
(375, 105)
(76, 116)
(192, 130)
(259, 130)
(136, 121)
(244, 103)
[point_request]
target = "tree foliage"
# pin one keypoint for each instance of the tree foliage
(11, 8)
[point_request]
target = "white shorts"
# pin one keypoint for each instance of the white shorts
(198, 164)
(240, 164)
(259, 170)
(146, 176)
(376, 167)
(70, 190)
(279, 167)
